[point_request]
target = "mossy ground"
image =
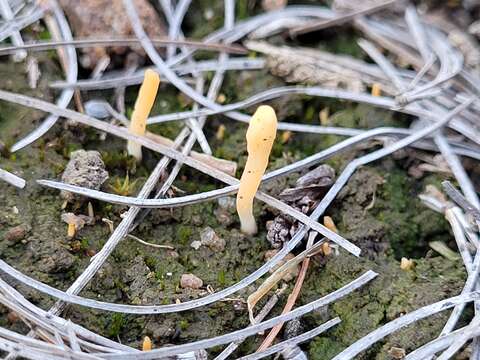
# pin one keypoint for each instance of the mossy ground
(378, 210)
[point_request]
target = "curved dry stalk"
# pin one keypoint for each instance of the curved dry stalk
(71, 76)
(110, 80)
(91, 42)
(12, 179)
(15, 35)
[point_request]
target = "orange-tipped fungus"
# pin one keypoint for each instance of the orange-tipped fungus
(376, 89)
(143, 105)
(260, 137)
(147, 344)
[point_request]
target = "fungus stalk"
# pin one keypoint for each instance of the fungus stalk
(147, 344)
(71, 229)
(260, 137)
(143, 105)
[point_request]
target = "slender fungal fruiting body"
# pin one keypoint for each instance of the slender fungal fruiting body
(260, 137)
(147, 344)
(71, 229)
(143, 105)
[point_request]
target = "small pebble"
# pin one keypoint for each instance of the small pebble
(209, 238)
(16, 233)
(397, 352)
(292, 328)
(226, 202)
(270, 5)
(196, 244)
(190, 281)
(97, 108)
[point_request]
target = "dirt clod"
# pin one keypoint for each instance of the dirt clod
(86, 169)
(278, 231)
(190, 281)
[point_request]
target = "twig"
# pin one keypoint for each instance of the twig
(293, 341)
(460, 200)
(262, 314)
(157, 246)
(16, 37)
(91, 42)
(71, 69)
(340, 19)
(292, 298)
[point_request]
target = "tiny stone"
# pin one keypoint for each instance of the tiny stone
(173, 254)
(12, 317)
(190, 281)
(209, 238)
(97, 109)
(226, 202)
(196, 244)
(292, 328)
(270, 5)
(208, 14)
(397, 352)
(16, 233)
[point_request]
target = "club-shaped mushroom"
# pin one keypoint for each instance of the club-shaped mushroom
(260, 137)
(143, 105)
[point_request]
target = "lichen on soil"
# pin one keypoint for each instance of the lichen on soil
(378, 210)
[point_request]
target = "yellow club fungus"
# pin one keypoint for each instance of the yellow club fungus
(143, 105)
(329, 224)
(260, 137)
(376, 89)
(324, 116)
(147, 344)
(71, 229)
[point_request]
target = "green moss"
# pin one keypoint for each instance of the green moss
(324, 348)
(221, 278)
(117, 322)
(184, 234)
(183, 325)
(392, 293)
(410, 224)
